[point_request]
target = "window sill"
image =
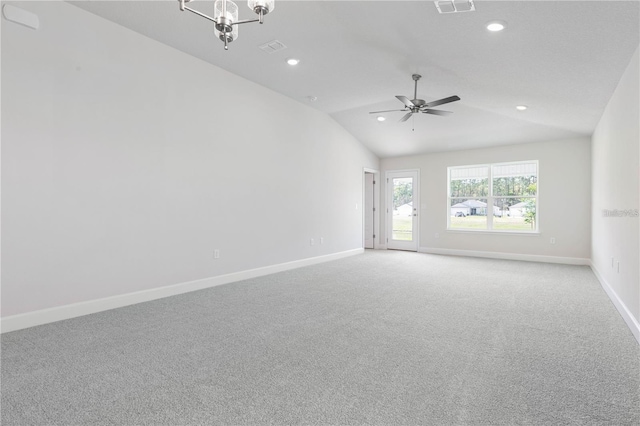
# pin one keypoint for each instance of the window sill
(486, 231)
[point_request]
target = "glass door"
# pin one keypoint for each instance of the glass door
(402, 210)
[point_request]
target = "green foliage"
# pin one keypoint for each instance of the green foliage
(530, 212)
(402, 193)
(469, 188)
(515, 185)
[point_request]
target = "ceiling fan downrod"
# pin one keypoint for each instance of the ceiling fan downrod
(416, 77)
(415, 101)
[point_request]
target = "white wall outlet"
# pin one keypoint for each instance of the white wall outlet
(216, 254)
(321, 240)
(437, 235)
(311, 242)
(552, 240)
(356, 206)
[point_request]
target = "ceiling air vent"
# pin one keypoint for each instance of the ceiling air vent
(272, 46)
(453, 6)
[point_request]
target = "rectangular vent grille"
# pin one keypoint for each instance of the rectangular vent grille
(272, 46)
(454, 6)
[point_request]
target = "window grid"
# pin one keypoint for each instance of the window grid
(528, 168)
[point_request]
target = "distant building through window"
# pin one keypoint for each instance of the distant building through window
(493, 197)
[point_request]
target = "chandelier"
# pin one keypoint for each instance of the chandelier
(225, 16)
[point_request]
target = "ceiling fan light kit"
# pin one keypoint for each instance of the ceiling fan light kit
(226, 16)
(415, 105)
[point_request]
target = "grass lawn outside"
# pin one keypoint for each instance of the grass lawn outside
(402, 225)
(402, 228)
(499, 223)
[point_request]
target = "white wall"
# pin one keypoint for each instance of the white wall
(123, 167)
(616, 172)
(564, 210)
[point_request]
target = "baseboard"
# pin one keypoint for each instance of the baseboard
(632, 323)
(507, 256)
(45, 316)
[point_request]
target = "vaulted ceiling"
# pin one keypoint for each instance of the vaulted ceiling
(563, 59)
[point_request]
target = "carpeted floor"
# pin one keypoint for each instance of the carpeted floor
(384, 338)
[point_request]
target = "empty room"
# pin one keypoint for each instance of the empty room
(320, 212)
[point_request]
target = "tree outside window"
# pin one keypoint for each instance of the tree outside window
(494, 197)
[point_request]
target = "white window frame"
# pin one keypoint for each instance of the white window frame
(490, 199)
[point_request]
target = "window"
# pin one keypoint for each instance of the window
(494, 197)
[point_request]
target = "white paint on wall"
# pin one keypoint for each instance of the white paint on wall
(564, 179)
(58, 313)
(126, 163)
(616, 176)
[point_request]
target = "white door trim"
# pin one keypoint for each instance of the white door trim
(376, 205)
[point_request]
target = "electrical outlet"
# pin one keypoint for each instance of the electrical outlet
(437, 235)
(321, 240)
(552, 240)
(216, 254)
(311, 242)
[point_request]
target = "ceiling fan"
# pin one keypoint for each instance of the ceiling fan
(413, 106)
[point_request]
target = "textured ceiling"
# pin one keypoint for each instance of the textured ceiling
(561, 58)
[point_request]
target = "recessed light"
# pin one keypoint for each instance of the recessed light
(293, 61)
(381, 118)
(521, 107)
(495, 26)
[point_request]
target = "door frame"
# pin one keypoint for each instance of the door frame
(376, 206)
(415, 244)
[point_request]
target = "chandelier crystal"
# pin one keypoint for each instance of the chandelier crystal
(226, 18)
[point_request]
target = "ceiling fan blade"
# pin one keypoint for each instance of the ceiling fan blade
(436, 112)
(389, 110)
(405, 101)
(406, 117)
(442, 101)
